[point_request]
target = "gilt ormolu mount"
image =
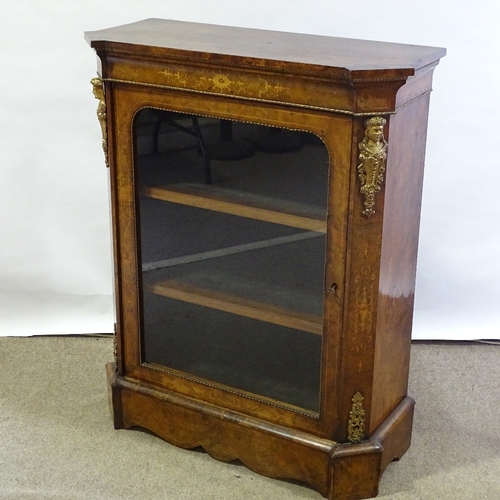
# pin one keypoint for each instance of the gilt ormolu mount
(266, 316)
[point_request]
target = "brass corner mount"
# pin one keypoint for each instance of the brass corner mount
(356, 426)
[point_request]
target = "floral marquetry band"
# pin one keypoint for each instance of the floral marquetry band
(223, 83)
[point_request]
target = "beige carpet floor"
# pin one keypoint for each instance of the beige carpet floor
(57, 441)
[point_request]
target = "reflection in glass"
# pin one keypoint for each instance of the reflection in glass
(232, 231)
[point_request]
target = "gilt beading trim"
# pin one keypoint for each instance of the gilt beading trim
(246, 98)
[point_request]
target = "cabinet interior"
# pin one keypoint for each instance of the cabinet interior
(232, 223)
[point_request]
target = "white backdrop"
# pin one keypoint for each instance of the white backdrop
(55, 265)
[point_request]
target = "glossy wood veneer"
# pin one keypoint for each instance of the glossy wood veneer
(329, 87)
(333, 469)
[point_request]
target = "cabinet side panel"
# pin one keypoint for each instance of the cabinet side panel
(403, 193)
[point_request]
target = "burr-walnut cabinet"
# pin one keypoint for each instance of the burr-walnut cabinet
(265, 195)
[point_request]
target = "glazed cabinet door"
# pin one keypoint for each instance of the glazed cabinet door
(230, 220)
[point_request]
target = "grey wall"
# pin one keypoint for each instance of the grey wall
(55, 266)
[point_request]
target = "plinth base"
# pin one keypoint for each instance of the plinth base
(337, 471)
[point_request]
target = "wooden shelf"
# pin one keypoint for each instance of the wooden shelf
(242, 204)
(221, 301)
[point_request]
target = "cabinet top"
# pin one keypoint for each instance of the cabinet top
(343, 57)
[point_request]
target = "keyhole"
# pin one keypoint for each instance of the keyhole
(333, 288)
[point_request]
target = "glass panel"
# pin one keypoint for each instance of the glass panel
(232, 231)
